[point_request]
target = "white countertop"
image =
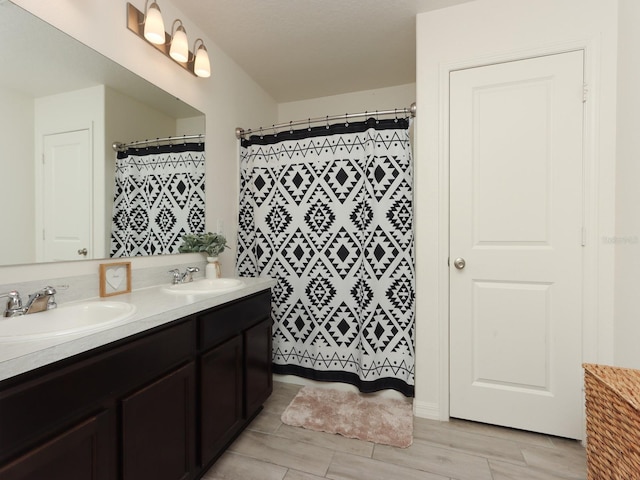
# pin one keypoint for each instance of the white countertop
(154, 307)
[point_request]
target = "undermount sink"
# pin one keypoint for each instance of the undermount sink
(65, 320)
(206, 285)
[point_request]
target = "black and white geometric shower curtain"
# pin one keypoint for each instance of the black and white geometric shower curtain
(328, 212)
(159, 197)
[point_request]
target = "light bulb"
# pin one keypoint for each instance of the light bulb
(179, 45)
(154, 25)
(202, 67)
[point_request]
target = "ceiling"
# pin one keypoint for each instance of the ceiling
(301, 49)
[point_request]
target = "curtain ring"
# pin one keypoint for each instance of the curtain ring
(346, 121)
(327, 120)
(261, 135)
(309, 127)
(377, 117)
(291, 127)
(275, 132)
(395, 112)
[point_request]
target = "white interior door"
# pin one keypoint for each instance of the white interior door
(67, 203)
(516, 132)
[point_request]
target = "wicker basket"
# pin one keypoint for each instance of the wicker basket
(613, 422)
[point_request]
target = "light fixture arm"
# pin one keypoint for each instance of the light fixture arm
(178, 22)
(201, 64)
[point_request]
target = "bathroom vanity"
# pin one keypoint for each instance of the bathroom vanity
(162, 403)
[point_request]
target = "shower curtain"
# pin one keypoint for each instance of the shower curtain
(159, 197)
(327, 212)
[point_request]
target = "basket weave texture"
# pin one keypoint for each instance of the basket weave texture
(613, 422)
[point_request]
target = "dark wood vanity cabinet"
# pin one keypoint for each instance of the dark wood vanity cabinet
(163, 404)
(235, 375)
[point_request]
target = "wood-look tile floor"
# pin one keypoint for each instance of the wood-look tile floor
(455, 450)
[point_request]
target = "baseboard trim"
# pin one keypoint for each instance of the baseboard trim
(427, 410)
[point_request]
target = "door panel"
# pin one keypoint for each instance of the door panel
(512, 319)
(258, 366)
(516, 219)
(158, 425)
(84, 452)
(517, 213)
(66, 179)
(222, 379)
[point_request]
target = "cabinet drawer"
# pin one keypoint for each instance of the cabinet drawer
(222, 323)
(43, 405)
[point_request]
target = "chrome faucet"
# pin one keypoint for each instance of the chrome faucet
(38, 302)
(185, 277)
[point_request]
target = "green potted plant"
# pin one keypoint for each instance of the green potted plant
(211, 244)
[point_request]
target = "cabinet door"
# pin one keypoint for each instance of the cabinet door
(84, 452)
(258, 377)
(158, 428)
(221, 396)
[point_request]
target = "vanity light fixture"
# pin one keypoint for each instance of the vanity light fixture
(201, 65)
(174, 46)
(153, 24)
(179, 50)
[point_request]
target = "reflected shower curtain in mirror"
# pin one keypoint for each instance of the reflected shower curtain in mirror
(328, 213)
(159, 197)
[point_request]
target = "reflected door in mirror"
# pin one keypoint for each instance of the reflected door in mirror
(66, 209)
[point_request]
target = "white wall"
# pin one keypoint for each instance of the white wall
(627, 237)
(229, 98)
(127, 119)
(190, 126)
(482, 32)
(16, 165)
(356, 102)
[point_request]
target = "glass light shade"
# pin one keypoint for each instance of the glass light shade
(179, 45)
(154, 25)
(202, 67)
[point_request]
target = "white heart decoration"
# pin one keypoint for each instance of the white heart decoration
(115, 276)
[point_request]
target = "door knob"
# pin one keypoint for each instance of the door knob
(82, 251)
(459, 263)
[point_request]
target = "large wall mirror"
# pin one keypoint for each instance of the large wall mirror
(51, 87)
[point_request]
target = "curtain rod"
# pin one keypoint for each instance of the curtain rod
(240, 132)
(119, 147)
